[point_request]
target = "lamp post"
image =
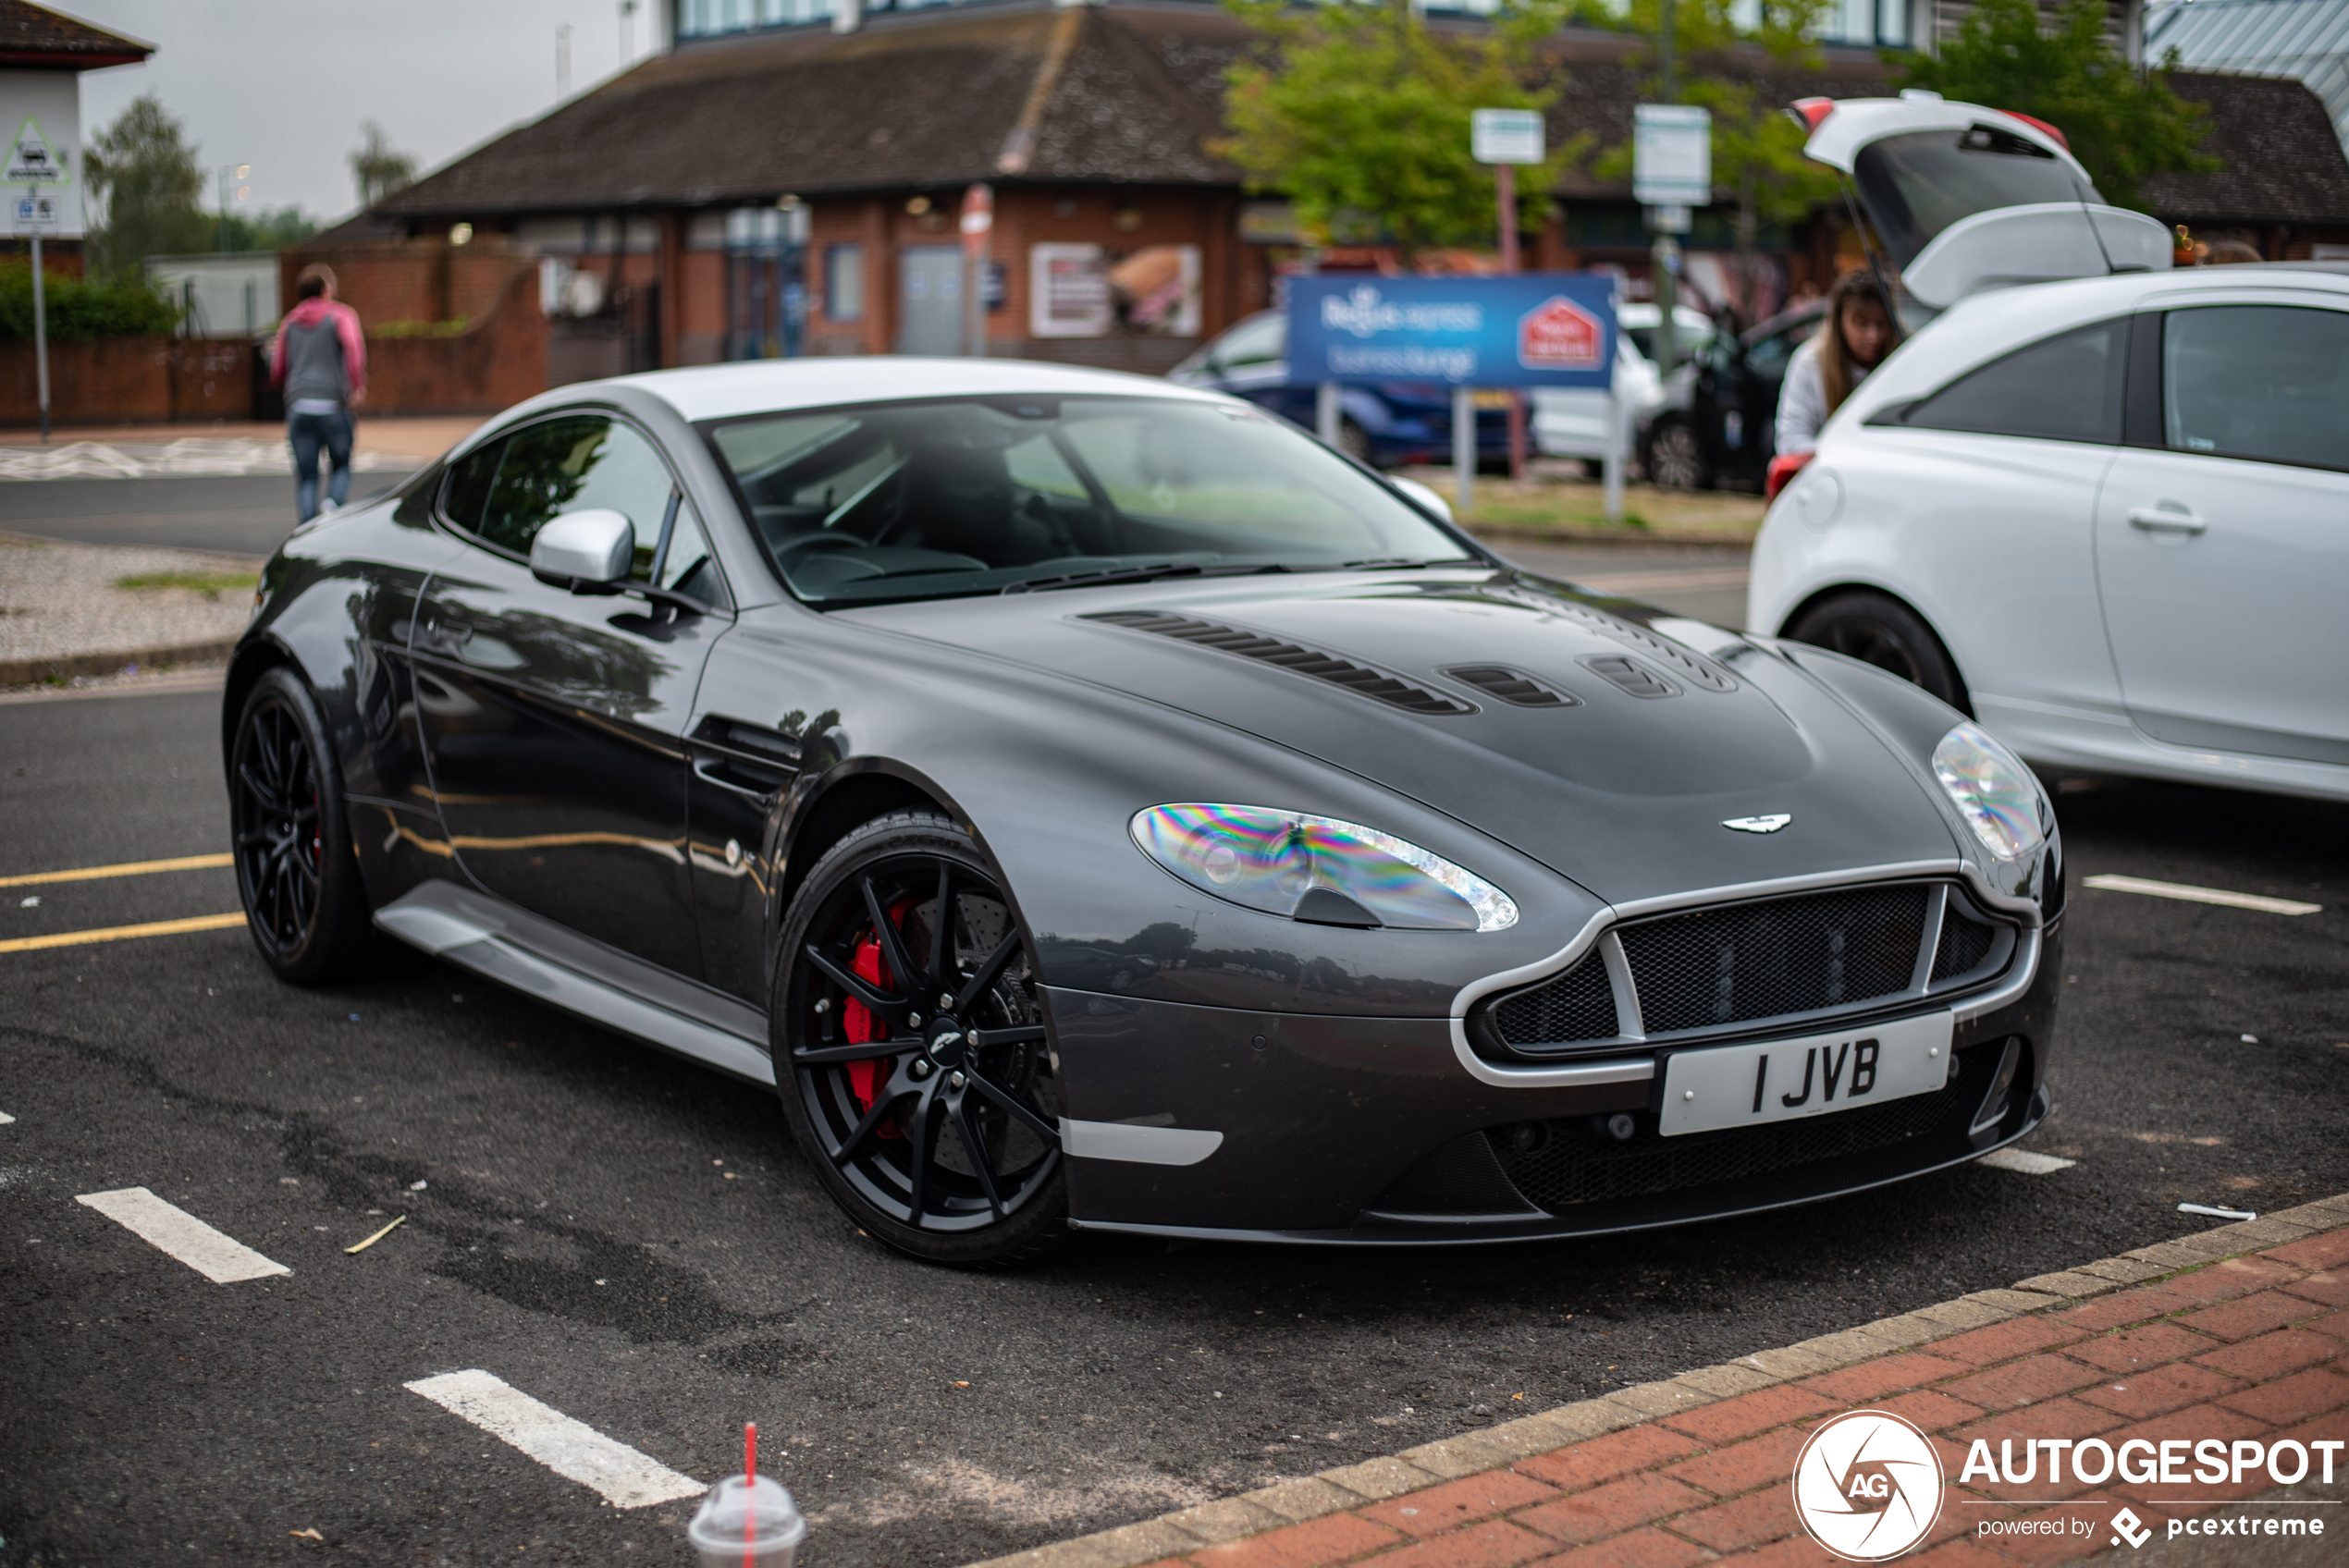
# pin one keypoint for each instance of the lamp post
(231, 174)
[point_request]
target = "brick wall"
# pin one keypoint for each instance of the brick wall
(498, 361)
(128, 381)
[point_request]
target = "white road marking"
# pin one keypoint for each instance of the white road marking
(224, 1260)
(6, 1118)
(2026, 1162)
(2199, 895)
(569, 1448)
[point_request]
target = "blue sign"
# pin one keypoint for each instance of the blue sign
(1528, 329)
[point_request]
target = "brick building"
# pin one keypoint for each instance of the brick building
(785, 175)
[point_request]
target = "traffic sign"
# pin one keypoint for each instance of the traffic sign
(1506, 136)
(30, 161)
(1671, 155)
(34, 212)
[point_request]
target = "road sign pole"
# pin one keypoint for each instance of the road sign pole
(1463, 450)
(1329, 422)
(1618, 439)
(39, 329)
(1504, 193)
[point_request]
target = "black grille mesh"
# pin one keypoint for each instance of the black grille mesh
(1578, 1005)
(1781, 956)
(1569, 1168)
(1373, 683)
(1965, 942)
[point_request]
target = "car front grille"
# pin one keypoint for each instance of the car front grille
(1805, 958)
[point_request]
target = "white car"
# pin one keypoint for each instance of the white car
(1570, 423)
(2108, 515)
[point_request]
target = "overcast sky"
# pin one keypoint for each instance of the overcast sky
(283, 84)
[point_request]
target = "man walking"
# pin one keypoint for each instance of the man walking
(321, 362)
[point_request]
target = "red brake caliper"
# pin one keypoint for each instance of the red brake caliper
(866, 1078)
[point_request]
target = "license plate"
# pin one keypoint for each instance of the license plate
(1813, 1075)
(1489, 398)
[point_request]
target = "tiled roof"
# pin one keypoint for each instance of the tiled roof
(34, 35)
(2283, 164)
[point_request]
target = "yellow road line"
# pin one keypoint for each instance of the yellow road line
(128, 868)
(123, 932)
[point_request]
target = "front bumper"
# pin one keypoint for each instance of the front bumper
(1369, 1129)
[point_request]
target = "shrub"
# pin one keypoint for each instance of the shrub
(83, 308)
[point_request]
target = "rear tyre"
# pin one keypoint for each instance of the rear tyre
(1675, 458)
(296, 873)
(911, 1052)
(1879, 630)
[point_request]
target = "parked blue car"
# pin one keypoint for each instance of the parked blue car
(1387, 424)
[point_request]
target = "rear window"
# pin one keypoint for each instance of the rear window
(1918, 184)
(2062, 388)
(975, 496)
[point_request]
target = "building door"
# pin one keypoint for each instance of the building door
(930, 315)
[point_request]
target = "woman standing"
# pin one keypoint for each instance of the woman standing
(1821, 375)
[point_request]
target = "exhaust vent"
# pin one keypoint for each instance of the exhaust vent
(1374, 683)
(1511, 686)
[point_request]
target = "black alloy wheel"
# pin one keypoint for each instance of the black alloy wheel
(1675, 458)
(912, 1055)
(295, 872)
(1879, 630)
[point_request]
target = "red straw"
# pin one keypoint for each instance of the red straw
(750, 1486)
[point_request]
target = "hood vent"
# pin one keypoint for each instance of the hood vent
(1510, 686)
(1684, 662)
(1388, 689)
(1630, 675)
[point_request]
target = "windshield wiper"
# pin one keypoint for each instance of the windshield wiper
(1132, 574)
(1392, 563)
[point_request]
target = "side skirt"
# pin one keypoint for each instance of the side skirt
(539, 959)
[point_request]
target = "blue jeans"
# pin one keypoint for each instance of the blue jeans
(309, 433)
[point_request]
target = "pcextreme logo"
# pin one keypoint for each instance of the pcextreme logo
(1867, 1486)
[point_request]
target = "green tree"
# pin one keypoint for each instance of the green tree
(271, 228)
(1360, 115)
(2123, 126)
(142, 176)
(377, 168)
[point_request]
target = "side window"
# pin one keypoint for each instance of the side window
(1257, 343)
(569, 464)
(685, 567)
(2061, 388)
(2268, 381)
(468, 488)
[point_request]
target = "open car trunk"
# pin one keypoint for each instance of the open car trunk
(1961, 198)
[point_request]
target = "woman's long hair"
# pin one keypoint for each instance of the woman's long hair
(1837, 375)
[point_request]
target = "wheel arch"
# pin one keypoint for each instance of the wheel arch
(844, 800)
(1817, 597)
(246, 667)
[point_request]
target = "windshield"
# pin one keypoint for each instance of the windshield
(1918, 184)
(981, 495)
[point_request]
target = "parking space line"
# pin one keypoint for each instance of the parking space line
(6, 1118)
(126, 868)
(2026, 1162)
(569, 1448)
(2199, 895)
(123, 932)
(224, 1260)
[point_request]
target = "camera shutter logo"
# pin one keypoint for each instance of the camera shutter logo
(1867, 1486)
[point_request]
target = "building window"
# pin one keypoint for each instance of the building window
(844, 283)
(705, 18)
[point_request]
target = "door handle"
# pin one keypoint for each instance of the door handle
(2162, 520)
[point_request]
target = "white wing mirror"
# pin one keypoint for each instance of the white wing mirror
(583, 550)
(1424, 495)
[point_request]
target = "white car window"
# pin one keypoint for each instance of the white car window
(2267, 382)
(2061, 388)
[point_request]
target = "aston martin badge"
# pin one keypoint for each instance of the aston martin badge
(1769, 824)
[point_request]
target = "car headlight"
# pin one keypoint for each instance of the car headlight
(1317, 869)
(1993, 790)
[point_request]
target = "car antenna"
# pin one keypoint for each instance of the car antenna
(2089, 215)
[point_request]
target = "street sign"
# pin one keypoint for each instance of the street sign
(1530, 330)
(1506, 136)
(1671, 155)
(34, 212)
(31, 161)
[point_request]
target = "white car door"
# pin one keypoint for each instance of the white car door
(2222, 533)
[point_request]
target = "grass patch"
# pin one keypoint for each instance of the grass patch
(1573, 508)
(210, 584)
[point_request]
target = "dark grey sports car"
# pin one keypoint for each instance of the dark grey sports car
(1094, 805)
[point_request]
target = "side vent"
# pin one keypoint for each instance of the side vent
(1374, 683)
(1630, 675)
(1510, 686)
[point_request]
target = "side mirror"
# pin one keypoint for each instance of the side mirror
(1424, 495)
(584, 550)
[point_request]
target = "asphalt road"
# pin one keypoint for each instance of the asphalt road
(633, 1240)
(243, 516)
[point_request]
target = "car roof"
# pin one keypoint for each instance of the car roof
(755, 386)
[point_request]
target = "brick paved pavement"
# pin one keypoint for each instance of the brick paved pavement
(2241, 1332)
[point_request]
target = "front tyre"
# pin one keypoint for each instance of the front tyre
(1675, 458)
(910, 1048)
(1879, 630)
(296, 873)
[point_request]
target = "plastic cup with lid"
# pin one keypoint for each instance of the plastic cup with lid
(744, 1524)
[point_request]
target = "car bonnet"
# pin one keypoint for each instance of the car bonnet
(1656, 733)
